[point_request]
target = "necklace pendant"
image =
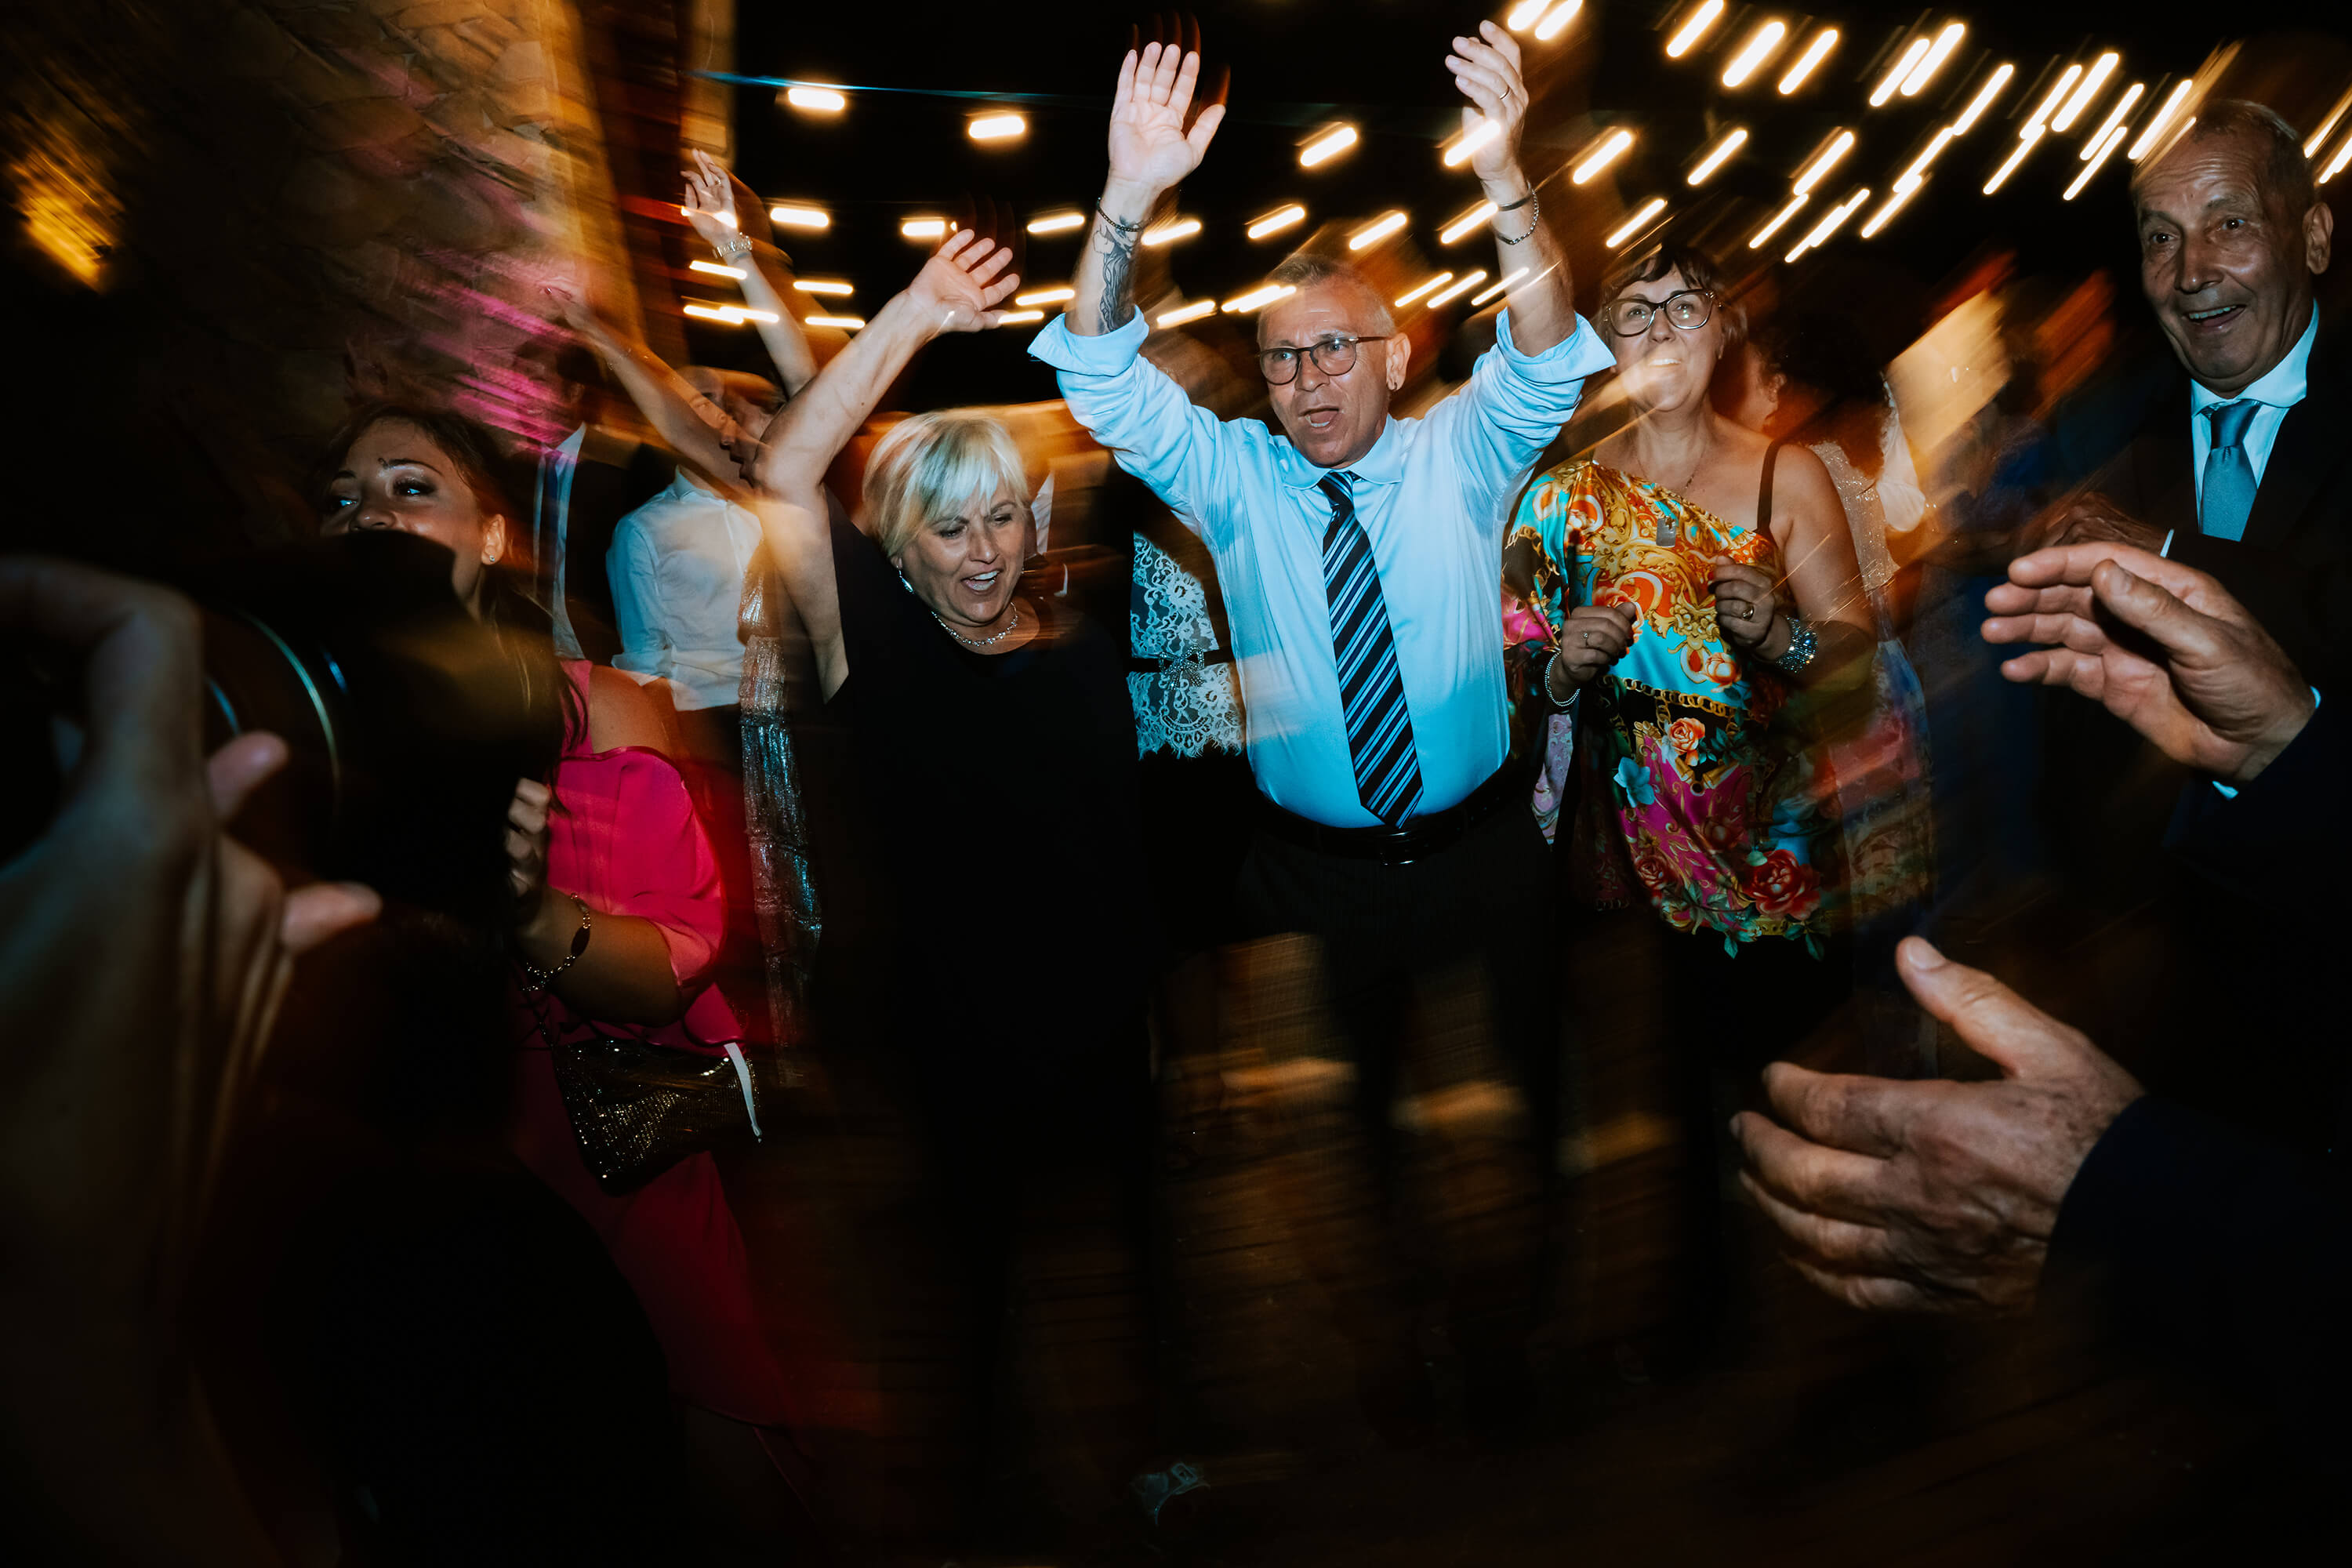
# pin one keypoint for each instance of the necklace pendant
(1667, 532)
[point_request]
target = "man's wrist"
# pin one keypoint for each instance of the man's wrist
(1128, 202)
(2282, 735)
(1508, 188)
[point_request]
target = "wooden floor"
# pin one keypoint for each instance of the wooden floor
(1823, 1436)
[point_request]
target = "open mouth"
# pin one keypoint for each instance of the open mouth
(1319, 419)
(981, 584)
(2216, 314)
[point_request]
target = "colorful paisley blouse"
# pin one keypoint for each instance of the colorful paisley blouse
(1692, 798)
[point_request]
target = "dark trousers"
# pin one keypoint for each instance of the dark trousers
(1392, 937)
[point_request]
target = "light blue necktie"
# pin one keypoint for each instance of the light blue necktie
(2229, 476)
(1371, 688)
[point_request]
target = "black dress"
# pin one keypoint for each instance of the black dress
(1000, 798)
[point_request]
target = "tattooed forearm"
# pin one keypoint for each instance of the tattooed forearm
(1114, 243)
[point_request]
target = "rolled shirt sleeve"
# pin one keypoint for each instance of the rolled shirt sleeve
(1186, 454)
(1513, 407)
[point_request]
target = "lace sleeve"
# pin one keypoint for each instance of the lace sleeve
(1191, 704)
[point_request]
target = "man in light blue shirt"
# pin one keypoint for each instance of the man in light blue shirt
(1360, 557)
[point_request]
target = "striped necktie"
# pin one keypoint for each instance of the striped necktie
(2229, 475)
(1372, 690)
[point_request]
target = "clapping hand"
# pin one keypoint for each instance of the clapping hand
(959, 289)
(1151, 149)
(2202, 679)
(710, 201)
(1487, 73)
(1745, 603)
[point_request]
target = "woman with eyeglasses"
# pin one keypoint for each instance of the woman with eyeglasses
(1693, 585)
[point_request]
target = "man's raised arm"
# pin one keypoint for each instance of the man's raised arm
(1487, 70)
(1150, 152)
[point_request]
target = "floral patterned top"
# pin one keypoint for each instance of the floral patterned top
(1693, 799)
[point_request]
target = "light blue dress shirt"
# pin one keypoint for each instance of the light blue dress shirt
(2279, 390)
(1432, 495)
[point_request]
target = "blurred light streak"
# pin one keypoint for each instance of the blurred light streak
(2099, 151)
(1494, 290)
(1632, 226)
(734, 318)
(996, 128)
(1523, 13)
(1983, 100)
(1732, 142)
(1910, 177)
(2154, 127)
(2114, 118)
(846, 323)
(1242, 304)
(924, 229)
(1183, 313)
(2319, 137)
(816, 99)
(1925, 71)
(1893, 82)
(1888, 209)
(1779, 219)
(1014, 318)
(2034, 133)
(1469, 141)
(788, 216)
(1692, 31)
(1046, 296)
(714, 268)
(1425, 286)
(2101, 69)
(1376, 231)
(1465, 223)
(1169, 233)
(1462, 286)
(1606, 151)
(1760, 48)
(1326, 147)
(1557, 19)
(1830, 221)
(826, 285)
(2072, 74)
(1823, 42)
(1277, 220)
(1826, 160)
(1056, 223)
(2335, 165)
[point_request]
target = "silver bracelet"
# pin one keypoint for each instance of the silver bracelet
(729, 249)
(1534, 215)
(1801, 646)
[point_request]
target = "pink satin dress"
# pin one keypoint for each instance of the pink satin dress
(625, 839)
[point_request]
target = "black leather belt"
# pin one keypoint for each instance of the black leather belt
(1420, 838)
(1137, 665)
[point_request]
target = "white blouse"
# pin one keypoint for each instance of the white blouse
(677, 565)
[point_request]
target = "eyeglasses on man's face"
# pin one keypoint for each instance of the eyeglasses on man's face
(1687, 308)
(1332, 356)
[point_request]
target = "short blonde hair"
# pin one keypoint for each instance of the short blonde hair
(932, 464)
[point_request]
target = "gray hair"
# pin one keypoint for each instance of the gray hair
(2286, 172)
(931, 465)
(1305, 270)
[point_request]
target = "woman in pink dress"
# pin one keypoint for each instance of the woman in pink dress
(609, 849)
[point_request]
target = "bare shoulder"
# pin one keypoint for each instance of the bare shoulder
(1802, 489)
(623, 714)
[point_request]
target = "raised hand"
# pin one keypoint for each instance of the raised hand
(1488, 72)
(958, 289)
(710, 201)
(2203, 681)
(1151, 149)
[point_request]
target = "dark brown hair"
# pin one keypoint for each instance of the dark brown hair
(1698, 270)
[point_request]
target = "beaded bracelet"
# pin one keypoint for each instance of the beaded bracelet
(737, 244)
(1535, 216)
(1802, 646)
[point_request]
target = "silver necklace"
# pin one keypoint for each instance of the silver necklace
(1009, 627)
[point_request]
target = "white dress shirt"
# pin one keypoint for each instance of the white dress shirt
(551, 507)
(1433, 496)
(2280, 389)
(677, 566)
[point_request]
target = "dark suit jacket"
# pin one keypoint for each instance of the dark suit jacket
(2292, 565)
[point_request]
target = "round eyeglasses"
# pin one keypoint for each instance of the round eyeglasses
(1687, 308)
(1332, 356)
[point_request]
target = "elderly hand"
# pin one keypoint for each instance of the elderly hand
(1151, 149)
(2207, 686)
(710, 201)
(954, 290)
(1488, 72)
(1935, 1197)
(1595, 637)
(1746, 607)
(2092, 518)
